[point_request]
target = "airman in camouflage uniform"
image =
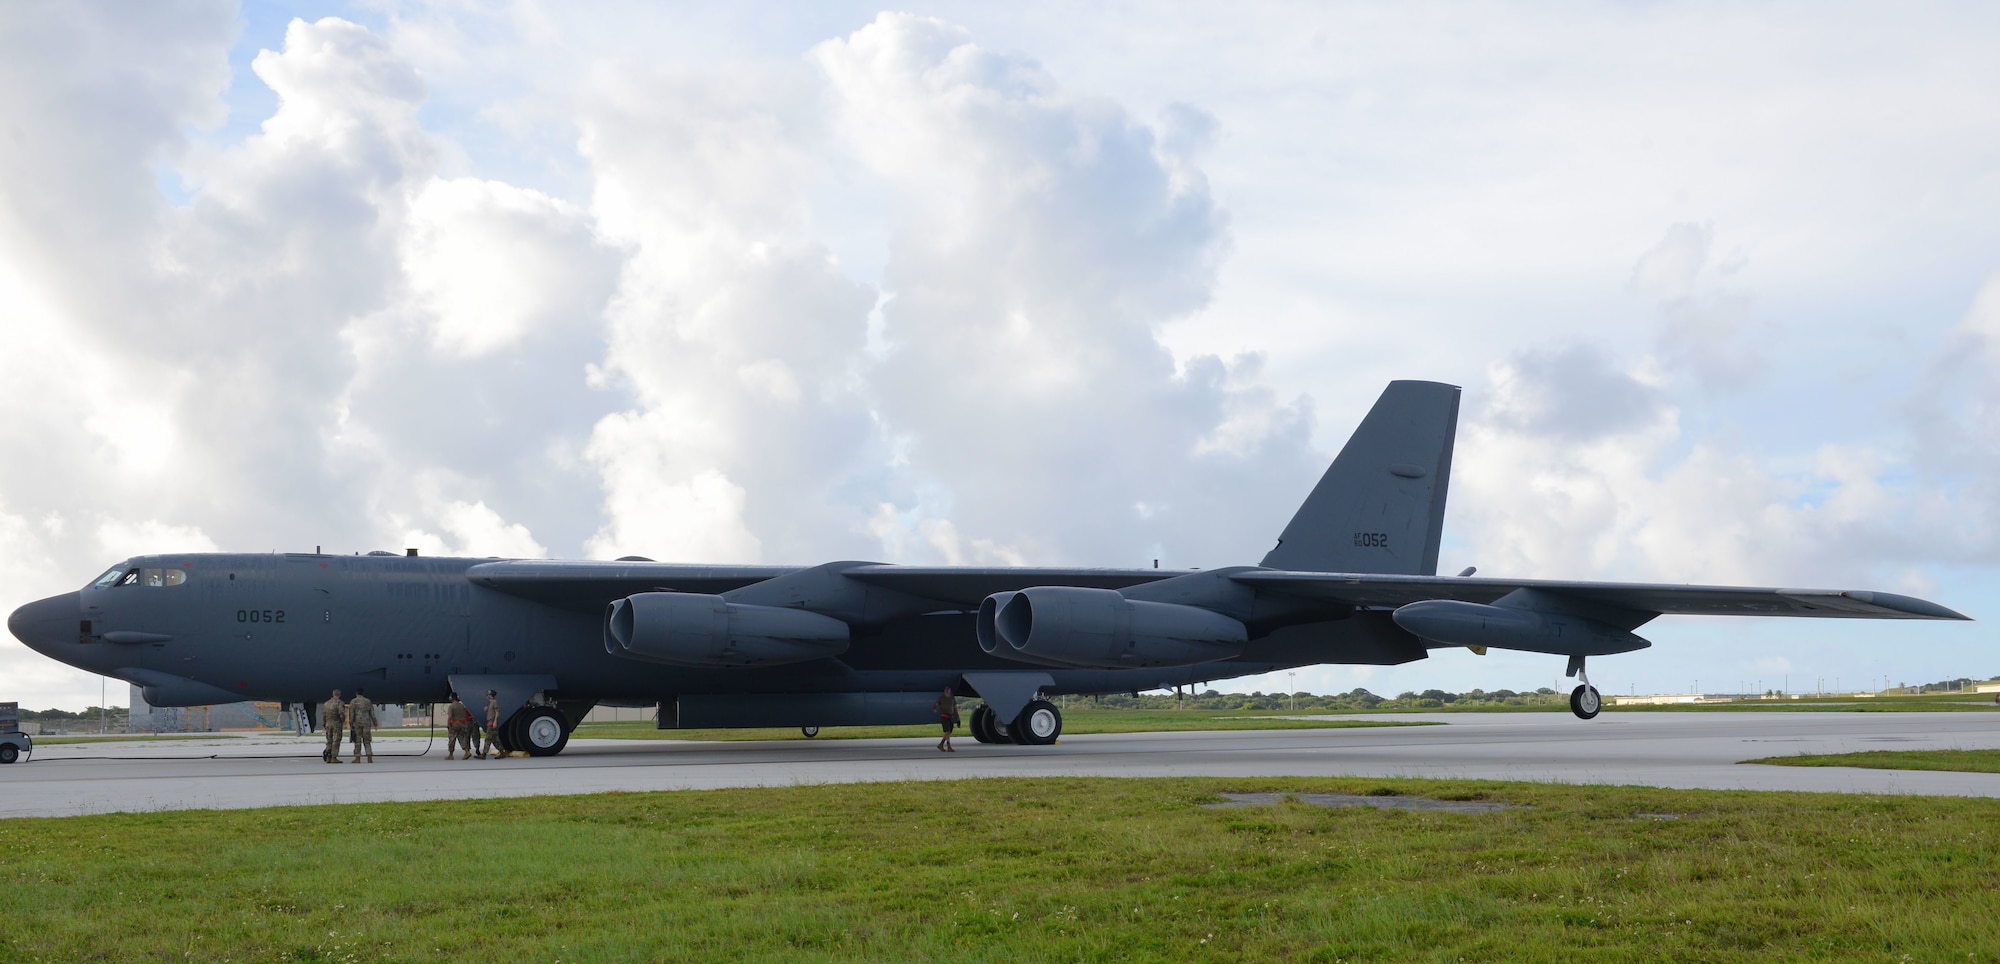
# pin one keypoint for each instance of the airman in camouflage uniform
(361, 725)
(458, 725)
(332, 716)
(493, 728)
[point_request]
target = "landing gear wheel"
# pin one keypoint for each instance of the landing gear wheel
(1584, 701)
(542, 731)
(981, 724)
(1038, 725)
(809, 731)
(9, 753)
(508, 733)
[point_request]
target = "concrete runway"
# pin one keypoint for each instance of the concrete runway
(1691, 750)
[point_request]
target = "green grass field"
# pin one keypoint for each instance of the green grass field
(1020, 870)
(1962, 761)
(1080, 717)
(1927, 703)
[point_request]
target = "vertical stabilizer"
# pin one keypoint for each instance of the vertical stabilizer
(1380, 508)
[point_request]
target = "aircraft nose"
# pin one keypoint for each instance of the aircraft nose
(46, 625)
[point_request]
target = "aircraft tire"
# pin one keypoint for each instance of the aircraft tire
(809, 731)
(981, 724)
(508, 735)
(9, 752)
(542, 731)
(1585, 702)
(1039, 724)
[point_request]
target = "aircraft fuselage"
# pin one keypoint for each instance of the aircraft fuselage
(206, 628)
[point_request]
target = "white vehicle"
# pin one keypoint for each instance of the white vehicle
(13, 742)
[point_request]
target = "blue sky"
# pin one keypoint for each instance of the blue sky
(1021, 283)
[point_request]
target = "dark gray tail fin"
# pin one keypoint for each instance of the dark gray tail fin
(1380, 508)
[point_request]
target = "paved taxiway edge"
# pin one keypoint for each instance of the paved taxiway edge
(1687, 751)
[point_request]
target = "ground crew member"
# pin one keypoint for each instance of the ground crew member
(332, 716)
(947, 711)
(458, 724)
(361, 725)
(493, 728)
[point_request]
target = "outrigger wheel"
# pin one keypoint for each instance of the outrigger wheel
(1584, 701)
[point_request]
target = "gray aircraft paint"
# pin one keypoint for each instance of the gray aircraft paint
(1380, 506)
(1363, 545)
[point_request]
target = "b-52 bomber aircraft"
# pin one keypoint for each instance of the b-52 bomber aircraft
(1352, 580)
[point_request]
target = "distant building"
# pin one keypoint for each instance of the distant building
(1661, 699)
(247, 715)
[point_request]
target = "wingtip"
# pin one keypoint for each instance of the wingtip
(1921, 608)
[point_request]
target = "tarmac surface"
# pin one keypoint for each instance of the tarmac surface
(1660, 749)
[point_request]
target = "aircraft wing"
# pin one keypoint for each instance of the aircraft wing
(1388, 592)
(966, 585)
(589, 585)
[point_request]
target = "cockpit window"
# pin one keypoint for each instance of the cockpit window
(120, 576)
(147, 576)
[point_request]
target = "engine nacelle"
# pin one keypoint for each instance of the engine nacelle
(1458, 623)
(1101, 629)
(692, 629)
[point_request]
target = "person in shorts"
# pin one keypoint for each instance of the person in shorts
(947, 711)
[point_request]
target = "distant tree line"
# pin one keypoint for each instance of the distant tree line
(91, 714)
(1944, 686)
(1355, 699)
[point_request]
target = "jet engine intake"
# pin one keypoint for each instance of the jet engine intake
(696, 630)
(1101, 629)
(1454, 622)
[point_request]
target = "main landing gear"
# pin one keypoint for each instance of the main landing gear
(536, 731)
(1039, 724)
(1584, 701)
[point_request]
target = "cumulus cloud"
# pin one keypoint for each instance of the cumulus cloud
(1003, 391)
(1045, 237)
(494, 263)
(1579, 461)
(1572, 393)
(1707, 328)
(894, 287)
(473, 529)
(236, 371)
(1668, 270)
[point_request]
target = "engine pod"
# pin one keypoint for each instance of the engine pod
(1458, 623)
(1101, 629)
(697, 630)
